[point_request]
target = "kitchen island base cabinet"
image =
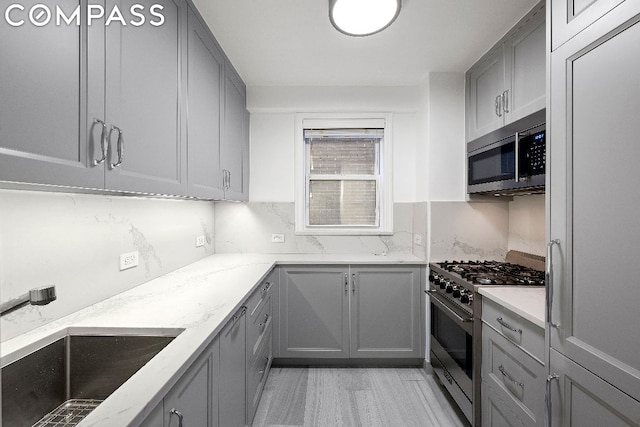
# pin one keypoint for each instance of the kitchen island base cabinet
(349, 312)
(232, 386)
(194, 398)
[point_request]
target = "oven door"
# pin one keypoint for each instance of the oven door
(452, 350)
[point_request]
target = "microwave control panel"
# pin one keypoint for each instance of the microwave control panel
(533, 157)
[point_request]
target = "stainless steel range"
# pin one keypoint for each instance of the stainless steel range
(456, 312)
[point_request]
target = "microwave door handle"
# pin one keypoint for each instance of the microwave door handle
(517, 154)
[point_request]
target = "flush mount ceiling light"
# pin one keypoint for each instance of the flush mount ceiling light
(363, 17)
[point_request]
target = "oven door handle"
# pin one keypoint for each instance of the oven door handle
(463, 322)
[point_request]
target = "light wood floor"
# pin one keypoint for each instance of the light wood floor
(327, 397)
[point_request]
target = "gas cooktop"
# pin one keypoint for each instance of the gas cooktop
(494, 273)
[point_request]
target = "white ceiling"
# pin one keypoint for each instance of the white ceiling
(292, 42)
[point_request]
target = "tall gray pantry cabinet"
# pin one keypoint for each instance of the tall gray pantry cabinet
(593, 292)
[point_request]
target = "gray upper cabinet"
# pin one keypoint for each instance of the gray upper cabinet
(144, 106)
(569, 17)
(44, 127)
(205, 71)
(134, 108)
(509, 82)
(594, 198)
(485, 85)
(385, 312)
(234, 147)
(314, 312)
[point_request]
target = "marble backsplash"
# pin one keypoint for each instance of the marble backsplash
(73, 241)
(469, 230)
(247, 228)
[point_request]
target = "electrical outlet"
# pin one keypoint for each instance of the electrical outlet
(128, 260)
(277, 238)
(417, 239)
(199, 241)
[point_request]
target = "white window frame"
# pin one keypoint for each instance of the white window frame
(384, 189)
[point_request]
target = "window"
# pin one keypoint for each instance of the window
(344, 187)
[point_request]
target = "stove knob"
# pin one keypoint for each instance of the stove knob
(442, 283)
(432, 277)
(470, 299)
(449, 288)
(456, 291)
(465, 298)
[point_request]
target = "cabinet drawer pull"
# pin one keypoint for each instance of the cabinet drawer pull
(266, 363)
(266, 287)
(236, 317)
(173, 412)
(264, 322)
(103, 142)
(508, 326)
(509, 377)
(120, 146)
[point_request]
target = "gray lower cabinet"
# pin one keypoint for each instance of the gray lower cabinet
(385, 312)
(509, 82)
(193, 401)
(314, 311)
(232, 399)
(339, 311)
(593, 233)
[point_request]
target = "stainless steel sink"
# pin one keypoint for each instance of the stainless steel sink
(60, 383)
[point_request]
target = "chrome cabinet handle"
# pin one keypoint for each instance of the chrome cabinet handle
(549, 282)
(120, 145)
(266, 288)
(353, 278)
(508, 326)
(346, 284)
(266, 363)
(505, 101)
(517, 156)
(547, 398)
(103, 142)
(237, 317)
(173, 412)
(498, 106)
(264, 322)
(509, 377)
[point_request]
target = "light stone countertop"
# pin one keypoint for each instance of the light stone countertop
(528, 302)
(198, 299)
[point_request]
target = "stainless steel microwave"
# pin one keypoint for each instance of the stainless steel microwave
(513, 165)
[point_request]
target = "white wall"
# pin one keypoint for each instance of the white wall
(273, 142)
(446, 144)
(73, 241)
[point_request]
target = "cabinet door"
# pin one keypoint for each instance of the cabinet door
(579, 398)
(232, 146)
(232, 398)
(155, 418)
(385, 312)
(525, 67)
(204, 85)
(143, 99)
(569, 17)
(485, 84)
(314, 312)
(44, 124)
(193, 395)
(594, 198)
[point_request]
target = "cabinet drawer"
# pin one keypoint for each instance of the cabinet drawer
(259, 296)
(259, 329)
(515, 328)
(498, 412)
(514, 376)
(257, 375)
